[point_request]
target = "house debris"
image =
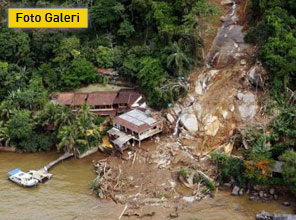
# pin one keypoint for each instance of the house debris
(104, 103)
(133, 126)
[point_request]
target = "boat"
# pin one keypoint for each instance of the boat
(21, 178)
(41, 175)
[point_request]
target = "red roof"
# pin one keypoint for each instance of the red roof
(65, 98)
(101, 98)
(79, 99)
(127, 96)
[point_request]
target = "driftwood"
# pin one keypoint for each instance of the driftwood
(109, 180)
(136, 214)
(123, 211)
(200, 187)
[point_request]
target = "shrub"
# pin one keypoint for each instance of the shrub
(36, 142)
(289, 169)
(230, 167)
(105, 57)
(80, 72)
(259, 169)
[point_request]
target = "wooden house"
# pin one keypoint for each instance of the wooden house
(104, 103)
(133, 126)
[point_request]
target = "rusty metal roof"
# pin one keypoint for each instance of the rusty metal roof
(101, 98)
(65, 98)
(135, 120)
(79, 99)
(127, 96)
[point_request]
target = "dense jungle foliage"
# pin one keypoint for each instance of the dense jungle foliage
(152, 44)
(275, 33)
(260, 147)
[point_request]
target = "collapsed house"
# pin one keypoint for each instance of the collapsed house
(133, 126)
(104, 103)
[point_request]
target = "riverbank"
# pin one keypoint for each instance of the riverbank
(222, 100)
(67, 196)
(64, 197)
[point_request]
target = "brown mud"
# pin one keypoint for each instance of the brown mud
(147, 184)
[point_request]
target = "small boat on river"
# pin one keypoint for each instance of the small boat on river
(21, 178)
(33, 177)
(41, 175)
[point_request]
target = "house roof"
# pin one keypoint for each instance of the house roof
(135, 120)
(79, 99)
(127, 96)
(101, 98)
(65, 98)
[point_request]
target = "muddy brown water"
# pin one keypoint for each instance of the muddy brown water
(67, 195)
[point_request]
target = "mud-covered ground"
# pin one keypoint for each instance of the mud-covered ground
(147, 187)
(225, 95)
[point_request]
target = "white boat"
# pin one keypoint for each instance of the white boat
(41, 175)
(21, 178)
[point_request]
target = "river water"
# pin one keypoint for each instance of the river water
(67, 196)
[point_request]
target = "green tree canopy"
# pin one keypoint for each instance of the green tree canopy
(81, 72)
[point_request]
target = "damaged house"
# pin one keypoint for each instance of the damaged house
(104, 103)
(133, 126)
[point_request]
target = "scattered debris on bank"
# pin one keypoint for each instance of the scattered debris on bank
(225, 96)
(154, 175)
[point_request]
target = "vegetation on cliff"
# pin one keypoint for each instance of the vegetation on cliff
(261, 146)
(275, 35)
(152, 44)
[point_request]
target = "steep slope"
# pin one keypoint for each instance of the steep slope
(225, 94)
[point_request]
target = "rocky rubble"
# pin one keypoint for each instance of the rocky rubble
(248, 105)
(256, 193)
(189, 121)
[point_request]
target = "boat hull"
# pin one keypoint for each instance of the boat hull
(23, 185)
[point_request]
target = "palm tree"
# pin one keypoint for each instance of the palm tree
(177, 59)
(67, 135)
(4, 134)
(81, 134)
(6, 109)
(64, 116)
(87, 129)
(55, 116)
